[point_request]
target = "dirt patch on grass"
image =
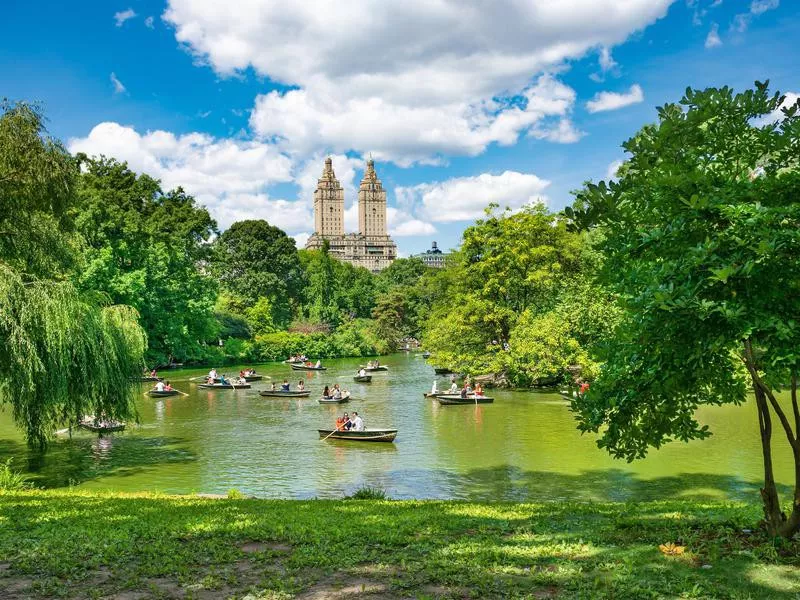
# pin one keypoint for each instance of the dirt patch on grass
(16, 588)
(253, 547)
(341, 587)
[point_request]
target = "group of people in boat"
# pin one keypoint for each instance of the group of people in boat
(247, 373)
(373, 364)
(213, 376)
(297, 358)
(286, 386)
(466, 390)
(350, 423)
(163, 386)
(334, 393)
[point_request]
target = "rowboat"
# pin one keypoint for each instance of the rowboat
(101, 426)
(224, 386)
(307, 368)
(330, 400)
(373, 369)
(447, 399)
(162, 393)
(284, 394)
(363, 378)
(289, 361)
(149, 378)
(426, 354)
(249, 378)
(368, 435)
(442, 370)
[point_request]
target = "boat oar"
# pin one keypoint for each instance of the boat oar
(335, 429)
(182, 393)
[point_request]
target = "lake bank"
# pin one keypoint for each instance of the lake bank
(79, 544)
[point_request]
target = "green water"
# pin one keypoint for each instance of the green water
(524, 446)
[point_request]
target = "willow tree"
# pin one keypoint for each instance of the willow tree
(62, 354)
(702, 244)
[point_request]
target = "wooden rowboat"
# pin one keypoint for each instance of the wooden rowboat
(284, 394)
(363, 378)
(101, 426)
(293, 362)
(162, 393)
(442, 370)
(224, 386)
(148, 378)
(307, 368)
(331, 400)
(426, 354)
(448, 399)
(249, 378)
(373, 369)
(368, 435)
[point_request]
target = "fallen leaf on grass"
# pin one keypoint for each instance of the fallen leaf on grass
(671, 549)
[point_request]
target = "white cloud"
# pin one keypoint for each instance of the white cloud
(465, 198)
(123, 15)
(301, 238)
(790, 98)
(149, 23)
(422, 78)
(712, 39)
(607, 64)
(228, 176)
(411, 228)
(761, 6)
(603, 101)
(611, 172)
(118, 87)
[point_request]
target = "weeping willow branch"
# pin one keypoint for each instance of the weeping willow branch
(63, 356)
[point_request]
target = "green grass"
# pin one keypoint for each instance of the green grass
(82, 545)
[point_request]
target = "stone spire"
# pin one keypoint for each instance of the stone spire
(328, 203)
(371, 203)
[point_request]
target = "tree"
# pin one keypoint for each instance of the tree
(62, 354)
(255, 260)
(402, 272)
(702, 244)
(145, 248)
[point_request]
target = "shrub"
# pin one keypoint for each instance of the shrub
(367, 493)
(12, 480)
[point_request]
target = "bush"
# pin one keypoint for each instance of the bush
(368, 493)
(12, 480)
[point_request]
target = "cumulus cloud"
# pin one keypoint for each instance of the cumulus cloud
(603, 101)
(607, 65)
(790, 99)
(712, 39)
(421, 78)
(123, 15)
(611, 171)
(118, 87)
(228, 176)
(761, 6)
(465, 198)
(757, 7)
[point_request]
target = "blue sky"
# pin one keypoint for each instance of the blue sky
(459, 103)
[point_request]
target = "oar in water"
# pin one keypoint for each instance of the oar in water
(335, 429)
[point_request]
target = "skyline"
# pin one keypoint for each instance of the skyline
(459, 105)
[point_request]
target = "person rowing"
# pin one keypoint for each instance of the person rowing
(222, 380)
(160, 386)
(285, 386)
(358, 422)
(362, 372)
(453, 388)
(301, 386)
(212, 374)
(337, 392)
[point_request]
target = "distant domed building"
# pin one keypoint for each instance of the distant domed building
(433, 258)
(371, 248)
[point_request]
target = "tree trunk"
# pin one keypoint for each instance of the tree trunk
(773, 517)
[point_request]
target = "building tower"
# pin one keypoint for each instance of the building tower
(371, 204)
(329, 204)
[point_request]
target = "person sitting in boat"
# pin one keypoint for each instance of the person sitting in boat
(168, 387)
(358, 422)
(223, 381)
(241, 374)
(153, 373)
(319, 364)
(212, 374)
(453, 388)
(326, 393)
(241, 381)
(285, 386)
(160, 386)
(362, 372)
(301, 386)
(348, 423)
(337, 392)
(339, 423)
(435, 387)
(478, 389)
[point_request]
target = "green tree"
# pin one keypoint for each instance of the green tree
(255, 260)
(702, 244)
(144, 248)
(62, 354)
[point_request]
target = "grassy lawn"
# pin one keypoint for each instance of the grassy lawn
(87, 545)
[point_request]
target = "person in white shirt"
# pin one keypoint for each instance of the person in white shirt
(160, 386)
(435, 387)
(319, 363)
(212, 374)
(358, 422)
(362, 372)
(453, 388)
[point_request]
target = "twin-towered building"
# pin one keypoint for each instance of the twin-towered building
(371, 247)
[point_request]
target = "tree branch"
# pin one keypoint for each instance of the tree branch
(751, 366)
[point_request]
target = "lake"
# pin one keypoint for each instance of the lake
(525, 446)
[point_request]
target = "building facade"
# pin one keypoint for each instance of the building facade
(433, 258)
(371, 247)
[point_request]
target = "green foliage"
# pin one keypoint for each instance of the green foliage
(405, 272)
(353, 338)
(142, 248)
(254, 260)
(37, 184)
(12, 480)
(702, 244)
(260, 317)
